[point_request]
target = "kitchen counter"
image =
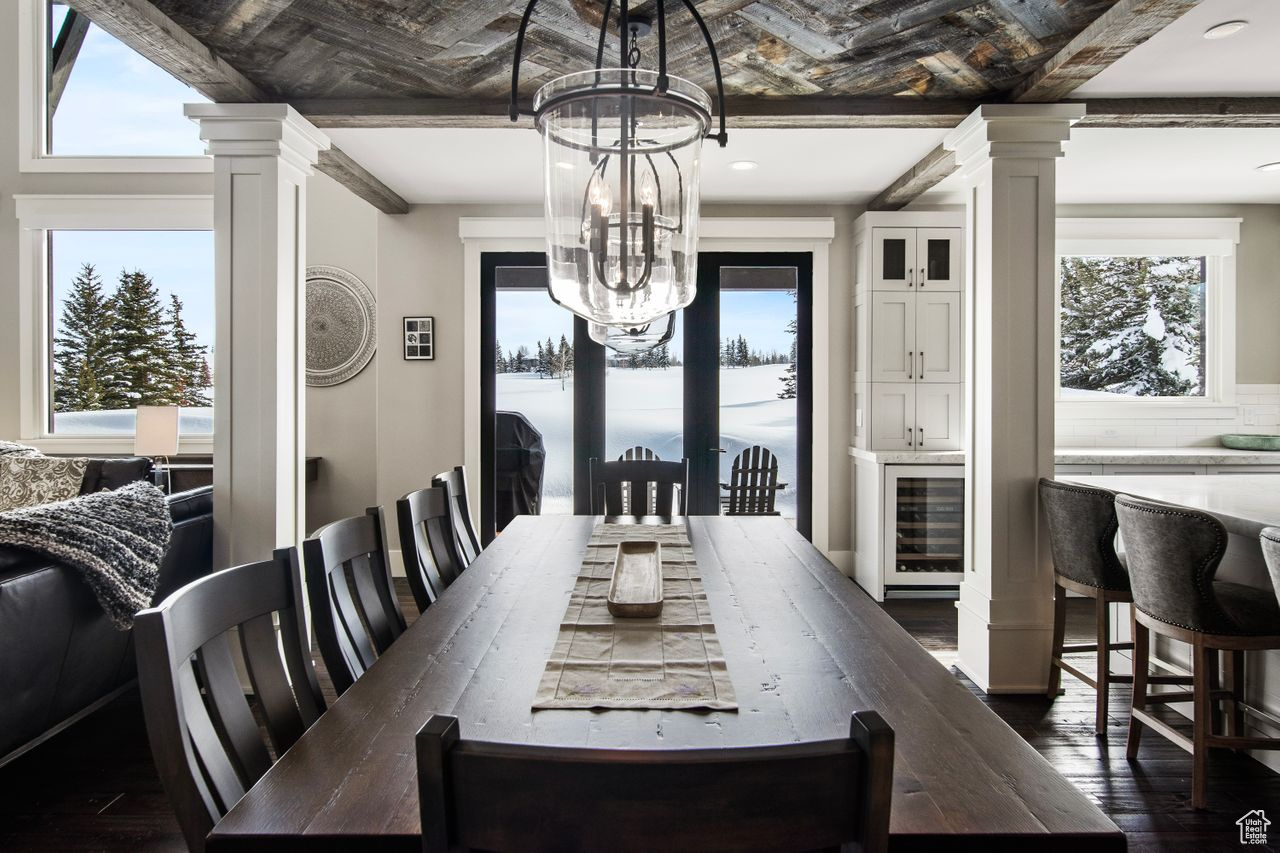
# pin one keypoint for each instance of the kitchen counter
(1091, 456)
(1243, 504)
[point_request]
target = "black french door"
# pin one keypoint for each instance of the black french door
(707, 321)
(694, 417)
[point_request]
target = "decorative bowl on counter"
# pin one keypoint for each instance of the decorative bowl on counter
(1251, 442)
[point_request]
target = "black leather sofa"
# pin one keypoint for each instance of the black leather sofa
(60, 658)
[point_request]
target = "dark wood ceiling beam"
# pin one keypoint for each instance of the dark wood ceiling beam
(1181, 112)
(904, 112)
(66, 47)
(919, 179)
(1117, 31)
(152, 34)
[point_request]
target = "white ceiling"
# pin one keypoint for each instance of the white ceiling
(1179, 61)
(1161, 166)
(504, 165)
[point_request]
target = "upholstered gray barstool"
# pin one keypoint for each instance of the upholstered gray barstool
(1271, 551)
(1082, 532)
(1173, 554)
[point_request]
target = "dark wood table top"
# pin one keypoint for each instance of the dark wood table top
(804, 646)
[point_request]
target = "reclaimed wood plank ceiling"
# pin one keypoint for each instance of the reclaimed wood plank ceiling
(789, 49)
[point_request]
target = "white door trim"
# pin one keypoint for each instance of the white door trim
(727, 234)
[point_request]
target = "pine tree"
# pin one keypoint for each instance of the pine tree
(521, 360)
(728, 354)
(138, 352)
(499, 362)
(1133, 325)
(80, 365)
(187, 361)
(566, 355)
(788, 378)
(743, 355)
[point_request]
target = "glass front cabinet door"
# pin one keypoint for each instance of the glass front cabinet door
(916, 259)
(924, 530)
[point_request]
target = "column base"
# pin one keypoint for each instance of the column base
(1008, 658)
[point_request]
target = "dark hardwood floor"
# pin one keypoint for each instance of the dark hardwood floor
(93, 787)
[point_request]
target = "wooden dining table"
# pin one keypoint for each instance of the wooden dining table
(804, 646)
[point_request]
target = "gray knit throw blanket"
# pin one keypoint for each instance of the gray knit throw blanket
(115, 539)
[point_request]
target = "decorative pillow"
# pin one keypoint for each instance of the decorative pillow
(31, 480)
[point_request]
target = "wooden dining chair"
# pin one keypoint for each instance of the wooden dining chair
(655, 488)
(1174, 553)
(353, 602)
(427, 544)
(477, 795)
(753, 483)
(455, 483)
(631, 453)
(207, 746)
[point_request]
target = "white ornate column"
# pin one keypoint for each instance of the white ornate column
(1006, 154)
(263, 154)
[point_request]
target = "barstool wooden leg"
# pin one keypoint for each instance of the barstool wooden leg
(1059, 636)
(1235, 673)
(1141, 663)
(1102, 629)
(1214, 676)
(1201, 674)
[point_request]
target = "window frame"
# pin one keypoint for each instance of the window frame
(37, 216)
(1213, 239)
(32, 98)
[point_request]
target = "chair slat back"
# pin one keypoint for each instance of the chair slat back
(643, 453)
(353, 604)
(206, 743)
(753, 482)
(455, 483)
(806, 796)
(656, 488)
(427, 543)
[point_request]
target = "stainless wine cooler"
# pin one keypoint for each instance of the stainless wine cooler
(924, 515)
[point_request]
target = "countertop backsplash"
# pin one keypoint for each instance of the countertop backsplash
(1259, 404)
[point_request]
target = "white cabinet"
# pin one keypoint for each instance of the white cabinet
(937, 337)
(914, 415)
(915, 337)
(938, 410)
(893, 336)
(909, 259)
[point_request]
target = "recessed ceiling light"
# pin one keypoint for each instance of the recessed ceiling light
(1225, 30)
(744, 165)
(563, 165)
(1269, 167)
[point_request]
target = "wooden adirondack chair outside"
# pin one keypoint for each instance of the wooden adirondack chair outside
(753, 483)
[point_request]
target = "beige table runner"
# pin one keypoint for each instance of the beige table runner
(669, 661)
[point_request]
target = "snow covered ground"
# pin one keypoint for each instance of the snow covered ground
(191, 421)
(646, 407)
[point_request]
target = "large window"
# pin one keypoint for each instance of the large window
(1146, 316)
(102, 99)
(1132, 326)
(131, 324)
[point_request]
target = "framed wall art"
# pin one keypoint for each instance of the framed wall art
(419, 338)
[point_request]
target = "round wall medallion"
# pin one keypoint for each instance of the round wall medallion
(341, 326)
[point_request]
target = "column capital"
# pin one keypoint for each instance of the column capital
(259, 130)
(995, 131)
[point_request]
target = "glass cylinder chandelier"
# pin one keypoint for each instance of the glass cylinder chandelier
(621, 151)
(637, 339)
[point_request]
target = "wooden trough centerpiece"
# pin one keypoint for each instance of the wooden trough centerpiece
(636, 588)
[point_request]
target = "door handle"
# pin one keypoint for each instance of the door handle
(911, 364)
(717, 450)
(909, 443)
(920, 440)
(922, 364)
(911, 278)
(922, 276)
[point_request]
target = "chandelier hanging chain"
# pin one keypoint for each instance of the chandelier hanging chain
(514, 110)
